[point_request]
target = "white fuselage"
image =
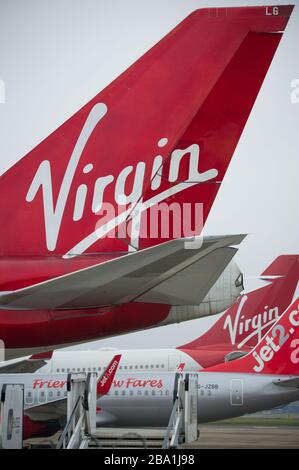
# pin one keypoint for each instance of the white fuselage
(146, 400)
(133, 360)
(220, 396)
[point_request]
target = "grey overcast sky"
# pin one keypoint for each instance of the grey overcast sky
(55, 55)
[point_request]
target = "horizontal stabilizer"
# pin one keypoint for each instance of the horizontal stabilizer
(231, 356)
(190, 285)
(292, 382)
(128, 278)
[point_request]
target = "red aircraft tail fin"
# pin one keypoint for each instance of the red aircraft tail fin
(278, 351)
(106, 380)
(164, 131)
(246, 321)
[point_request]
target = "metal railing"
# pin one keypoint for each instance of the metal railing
(81, 412)
(182, 426)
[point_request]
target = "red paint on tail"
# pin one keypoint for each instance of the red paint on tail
(247, 320)
(106, 380)
(195, 90)
(277, 353)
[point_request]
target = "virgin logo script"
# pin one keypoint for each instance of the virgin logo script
(242, 329)
(54, 213)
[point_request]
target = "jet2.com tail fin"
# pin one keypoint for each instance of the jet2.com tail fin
(277, 353)
(106, 380)
(164, 131)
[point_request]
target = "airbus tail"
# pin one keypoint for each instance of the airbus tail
(277, 353)
(244, 324)
(164, 131)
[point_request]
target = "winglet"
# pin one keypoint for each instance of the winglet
(180, 368)
(46, 356)
(106, 379)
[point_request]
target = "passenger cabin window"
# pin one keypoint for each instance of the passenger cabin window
(29, 397)
(42, 396)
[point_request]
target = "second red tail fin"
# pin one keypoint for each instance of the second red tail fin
(246, 321)
(277, 353)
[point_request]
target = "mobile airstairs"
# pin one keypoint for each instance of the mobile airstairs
(81, 412)
(80, 431)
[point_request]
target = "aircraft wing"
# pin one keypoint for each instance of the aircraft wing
(26, 365)
(55, 409)
(149, 275)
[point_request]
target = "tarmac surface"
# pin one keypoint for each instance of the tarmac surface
(246, 437)
(212, 436)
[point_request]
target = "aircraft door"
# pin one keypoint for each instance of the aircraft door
(173, 362)
(236, 392)
(11, 426)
